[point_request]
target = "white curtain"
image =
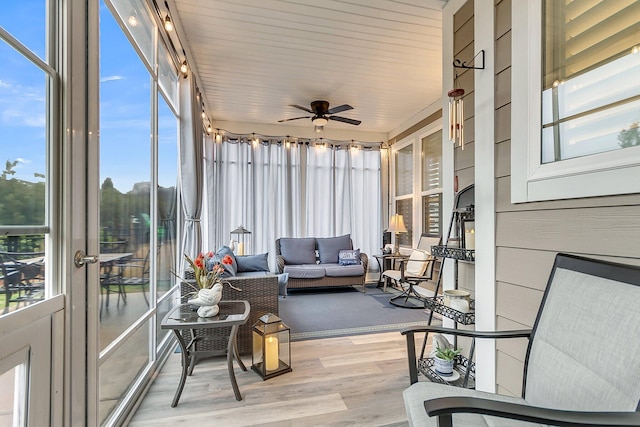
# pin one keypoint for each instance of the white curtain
(190, 167)
(276, 190)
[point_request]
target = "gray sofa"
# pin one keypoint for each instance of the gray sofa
(321, 262)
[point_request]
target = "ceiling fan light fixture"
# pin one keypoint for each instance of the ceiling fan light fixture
(320, 121)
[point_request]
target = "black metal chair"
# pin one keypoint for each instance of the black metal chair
(582, 366)
(22, 277)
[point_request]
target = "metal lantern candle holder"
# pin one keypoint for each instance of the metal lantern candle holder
(243, 237)
(271, 347)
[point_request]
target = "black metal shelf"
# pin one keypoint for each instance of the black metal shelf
(436, 304)
(462, 365)
(460, 254)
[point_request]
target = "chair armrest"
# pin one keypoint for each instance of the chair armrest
(445, 406)
(411, 343)
(280, 263)
(364, 259)
(521, 333)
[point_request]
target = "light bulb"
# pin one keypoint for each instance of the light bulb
(168, 25)
(133, 21)
(218, 136)
(183, 68)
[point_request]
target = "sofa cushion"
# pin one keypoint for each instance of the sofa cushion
(329, 247)
(305, 271)
(253, 262)
(349, 257)
(230, 270)
(337, 270)
(301, 250)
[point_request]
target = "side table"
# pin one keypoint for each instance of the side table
(232, 313)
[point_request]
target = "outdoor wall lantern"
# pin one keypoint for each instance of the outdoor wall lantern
(271, 347)
(243, 237)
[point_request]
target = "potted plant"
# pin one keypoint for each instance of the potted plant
(443, 360)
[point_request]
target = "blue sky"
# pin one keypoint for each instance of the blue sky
(124, 104)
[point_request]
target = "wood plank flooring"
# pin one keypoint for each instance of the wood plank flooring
(345, 381)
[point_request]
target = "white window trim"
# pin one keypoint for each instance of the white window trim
(609, 173)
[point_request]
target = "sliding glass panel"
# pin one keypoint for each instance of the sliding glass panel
(167, 196)
(404, 207)
(404, 171)
(125, 171)
(120, 370)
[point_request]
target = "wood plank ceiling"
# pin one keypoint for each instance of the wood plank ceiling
(253, 58)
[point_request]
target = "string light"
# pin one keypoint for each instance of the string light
(168, 25)
(222, 135)
(184, 69)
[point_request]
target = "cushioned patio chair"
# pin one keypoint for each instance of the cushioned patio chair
(582, 365)
(418, 268)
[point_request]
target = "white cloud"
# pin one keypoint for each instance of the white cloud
(111, 78)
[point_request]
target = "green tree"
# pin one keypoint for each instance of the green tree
(631, 137)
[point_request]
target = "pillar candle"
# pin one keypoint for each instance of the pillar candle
(271, 356)
(240, 248)
(470, 239)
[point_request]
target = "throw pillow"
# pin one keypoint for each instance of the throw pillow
(230, 270)
(298, 250)
(349, 257)
(253, 262)
(329, 247)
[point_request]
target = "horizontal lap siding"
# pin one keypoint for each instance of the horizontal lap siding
(529, 235)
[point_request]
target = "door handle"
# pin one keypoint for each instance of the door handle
(80, 259)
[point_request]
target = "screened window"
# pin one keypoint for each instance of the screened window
(575, 99)
(432, 183)
(27, 93)
(591, 93)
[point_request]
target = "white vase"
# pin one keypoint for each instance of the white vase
(208, 300)
(443, 366)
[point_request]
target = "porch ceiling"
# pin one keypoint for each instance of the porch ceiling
(254, 58)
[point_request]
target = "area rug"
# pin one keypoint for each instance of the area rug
(334, 312)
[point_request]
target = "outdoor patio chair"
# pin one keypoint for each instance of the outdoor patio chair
(581, 366)
(22, 277)
(418, 268)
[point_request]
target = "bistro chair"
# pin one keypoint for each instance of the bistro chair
(22, 277)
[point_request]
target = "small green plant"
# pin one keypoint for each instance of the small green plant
(448, 354)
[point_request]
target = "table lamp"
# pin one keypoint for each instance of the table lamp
(396, 226)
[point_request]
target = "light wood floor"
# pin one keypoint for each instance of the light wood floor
(346, 381)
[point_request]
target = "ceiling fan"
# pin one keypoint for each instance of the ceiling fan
(322, 113)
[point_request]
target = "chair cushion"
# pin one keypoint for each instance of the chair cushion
(304, 271)
(415, 395)
(349, 257)
(298, 250)
(337, 270)
(253, 262)
(417, 263)
(329, 248)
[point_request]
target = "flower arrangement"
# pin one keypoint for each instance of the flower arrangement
(205, 278)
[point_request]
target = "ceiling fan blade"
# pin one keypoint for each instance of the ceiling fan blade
(301, 108)
(345, 120)
(340, 109)
(295, 118)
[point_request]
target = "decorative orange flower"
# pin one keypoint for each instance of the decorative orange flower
(205, 278)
